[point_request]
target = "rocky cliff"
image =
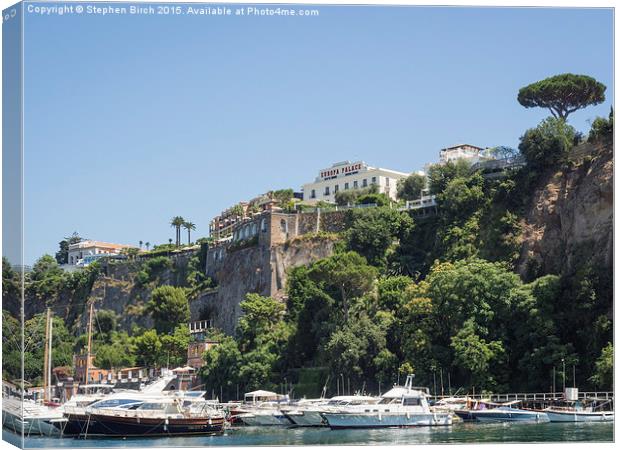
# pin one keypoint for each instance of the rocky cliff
(570, 218)
(256, 269)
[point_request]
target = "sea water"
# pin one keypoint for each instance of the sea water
(461, 433)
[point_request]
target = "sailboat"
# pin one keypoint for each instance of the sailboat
(27, 417)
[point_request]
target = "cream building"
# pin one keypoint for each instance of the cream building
(346, 175)
(84, 252)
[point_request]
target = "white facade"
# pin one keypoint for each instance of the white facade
(462, 151)
(83, 252)
(346, 175)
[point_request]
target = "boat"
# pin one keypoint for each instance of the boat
(261, 408)
(585, 410)
(308, 413)
(164, 416)
(29, 418)
(93, 396)
(400, 407)
(502, 412)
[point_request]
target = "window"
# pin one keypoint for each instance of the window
(283, 226)
(387, 181)
(326, 190)
(346, 186)
(263, 223)
(411, 401)
(335, 189)
(313, 194)
(355, 184)
(374, 180)
(364, 182)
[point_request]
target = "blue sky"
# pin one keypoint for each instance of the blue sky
(130, 120)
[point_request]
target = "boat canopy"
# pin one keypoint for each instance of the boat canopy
(261, 395)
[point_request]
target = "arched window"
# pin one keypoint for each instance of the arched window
(254, 229)
(263, 225)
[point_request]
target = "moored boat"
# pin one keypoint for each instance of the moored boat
(29, 418)
(400, 407)
(308, 413)
(160, 417)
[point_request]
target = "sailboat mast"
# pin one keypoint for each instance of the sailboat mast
(49, 357)
(46, 355)
(90, 335)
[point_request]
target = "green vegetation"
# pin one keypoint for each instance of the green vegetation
(401, 293)
(563, 94)
(168, 307)
(410, 188)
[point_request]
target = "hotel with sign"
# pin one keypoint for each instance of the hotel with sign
(345, 176)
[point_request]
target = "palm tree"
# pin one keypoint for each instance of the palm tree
(177, 222)
(141, 244)
(147, 245)
(170, 241)
(189, 226)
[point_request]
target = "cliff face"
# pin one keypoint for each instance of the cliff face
(257, 269)
(570, 220)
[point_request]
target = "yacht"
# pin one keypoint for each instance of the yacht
(308, 413)
(401, 406)
(261, 408)
(163, 416)
(29, 418)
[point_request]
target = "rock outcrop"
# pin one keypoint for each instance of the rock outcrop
(570, 220)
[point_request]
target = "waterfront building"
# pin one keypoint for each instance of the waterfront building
(95, 374)
(84, 252)
(199, 342)
(347, 175)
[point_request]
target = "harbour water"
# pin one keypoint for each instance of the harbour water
(460, 433)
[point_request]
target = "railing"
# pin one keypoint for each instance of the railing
(529, 396)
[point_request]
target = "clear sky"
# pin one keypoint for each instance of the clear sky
(130, 120)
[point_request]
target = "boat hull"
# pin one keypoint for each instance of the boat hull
(307, 418)
(492, 415)
(385, 420)
(578, 416)
(29, 426)
(134, 426)
(254, 419)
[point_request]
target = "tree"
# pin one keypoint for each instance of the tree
(169, 308)
(439, 175)
(548, 144)
(503, 152)
(189, 226)
(604, 368)
(62, 255)
(372, 231)
(174, 346)
(602, 129)
(147, 245)
(345, 276)
(222, 364)
(563, 94)
(474, 354)
(260, 315)
(148, 348)
(140, 243)
(410, 188)
(177, 222)
(351, 196)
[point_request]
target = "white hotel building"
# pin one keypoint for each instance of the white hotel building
(348, 175)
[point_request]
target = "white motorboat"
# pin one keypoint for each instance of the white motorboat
(579, 416)
(402, 406)
(261, 408)
(267, 413)
(308, 413)
(29, 418)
